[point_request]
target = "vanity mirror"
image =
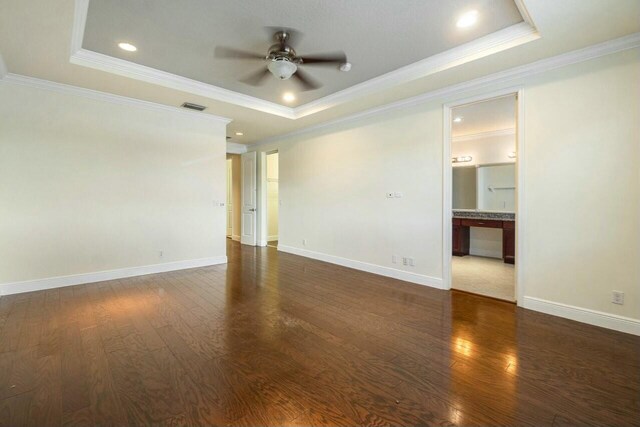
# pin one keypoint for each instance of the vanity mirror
(486, 187)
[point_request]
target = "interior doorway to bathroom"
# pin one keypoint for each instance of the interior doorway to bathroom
(483, 197)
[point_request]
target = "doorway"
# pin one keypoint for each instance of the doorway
(482, 196)
(272, 198)
(233, 196)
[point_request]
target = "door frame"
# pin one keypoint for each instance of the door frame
(520, 183)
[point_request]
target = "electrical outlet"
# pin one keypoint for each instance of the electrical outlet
(304, 242)
(411, 262)
(617, 297)
(161, 254)
(394, 259)
(405, 261)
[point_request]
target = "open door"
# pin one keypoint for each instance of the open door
(249, 199)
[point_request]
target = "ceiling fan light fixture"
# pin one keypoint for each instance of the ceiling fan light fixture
(282, 69)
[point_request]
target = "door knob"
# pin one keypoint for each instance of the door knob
(252, 210)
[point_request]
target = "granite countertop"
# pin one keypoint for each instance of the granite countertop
(500, 216)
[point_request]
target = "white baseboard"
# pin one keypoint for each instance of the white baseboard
(407, 276)
(584, 315)
(100, 276)
(272, 238)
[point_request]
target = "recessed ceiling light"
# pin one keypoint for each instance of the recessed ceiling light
(288, 97)
(127, 46)
(468, 19)
(457, 119)
(239, 133)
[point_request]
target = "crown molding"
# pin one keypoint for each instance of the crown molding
(17, 79)
(81, 8)
(481, 135)
(506, 38)
(235, 148)
(135, 71)
(506, 77)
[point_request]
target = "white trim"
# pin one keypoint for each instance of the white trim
(407, 276)
(132, 70)
(447, 179)
(106, 97)
(81, 8)
(100, 276)
(272, 238)
(502, 77)
(584, 315)
(498, 41)
(524, 12)
(480, 135)
(235, 148)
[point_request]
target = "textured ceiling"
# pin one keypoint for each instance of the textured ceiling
(487, 116)
(379, 36)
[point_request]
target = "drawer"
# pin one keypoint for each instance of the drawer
(488, 223)
(509, 225)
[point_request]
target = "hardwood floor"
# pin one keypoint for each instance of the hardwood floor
(276, 339)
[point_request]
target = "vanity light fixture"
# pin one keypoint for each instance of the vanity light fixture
(239, 133)
(127, 46)
(512, 155)
(461, 159)
(468, 19)
(457, 119)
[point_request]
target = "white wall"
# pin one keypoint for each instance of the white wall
(582, 186)
(485, 150)
(88, 186)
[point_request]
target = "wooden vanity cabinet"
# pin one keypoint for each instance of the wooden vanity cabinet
(461, 236)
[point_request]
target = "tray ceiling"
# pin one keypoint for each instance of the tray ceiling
(378, 36)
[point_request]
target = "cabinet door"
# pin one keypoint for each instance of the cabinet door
(456, 244)
(509, 243)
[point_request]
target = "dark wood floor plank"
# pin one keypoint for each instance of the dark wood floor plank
(277, 339)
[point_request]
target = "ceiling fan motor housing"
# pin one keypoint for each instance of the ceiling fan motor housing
(282, 68)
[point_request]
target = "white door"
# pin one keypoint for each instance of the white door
(229, 198)
(249, 199)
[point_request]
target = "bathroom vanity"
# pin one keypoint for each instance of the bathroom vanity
(464, 220)
(484, 196)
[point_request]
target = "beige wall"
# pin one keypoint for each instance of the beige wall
(582, 185)
(89, 186)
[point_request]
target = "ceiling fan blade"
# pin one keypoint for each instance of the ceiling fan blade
(257, 78)
(293, 35)
(325, 59)
(228, 52)
(308, 82)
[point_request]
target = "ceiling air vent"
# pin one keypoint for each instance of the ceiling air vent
(191, 106)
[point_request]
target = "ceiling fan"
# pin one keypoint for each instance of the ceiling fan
(283, 61)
